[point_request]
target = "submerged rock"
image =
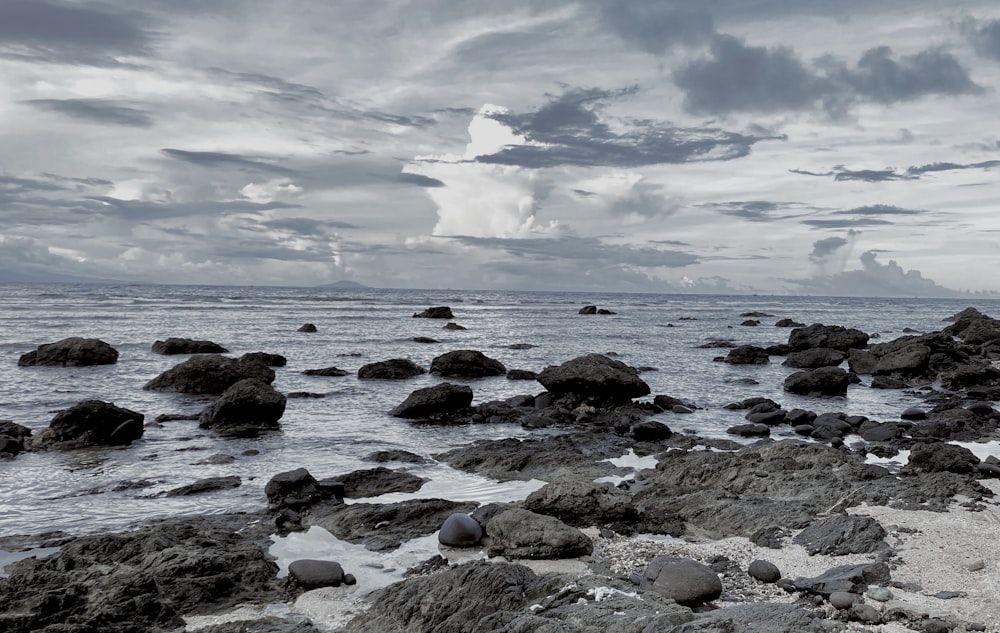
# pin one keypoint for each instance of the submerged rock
(174, 345)
(71, 352)
(594, 377)
(392, 369)
(247, 408)
(466, 363)
(437, 312)
(209, 374)
(91, 423)
(438, 401)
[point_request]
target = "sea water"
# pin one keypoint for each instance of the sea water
(100, 489)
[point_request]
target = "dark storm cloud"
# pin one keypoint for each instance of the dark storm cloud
(984, 36)
(822, 249)
(841, 173)
(307, 226)
(580, 248)
(737, 77)
(758, 210)
(878, 209)
(225, 160)
(97, 110)
(569, 131)
(869, 175)
(654, 27)
(65, 32)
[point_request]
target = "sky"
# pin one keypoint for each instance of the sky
(754, 146)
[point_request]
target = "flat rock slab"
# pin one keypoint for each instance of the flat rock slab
(520, 533)
(839, 535)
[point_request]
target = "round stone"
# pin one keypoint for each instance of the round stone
(879, 594)
(841, 599)
(316, 573)
(764, 571)
(460, 530)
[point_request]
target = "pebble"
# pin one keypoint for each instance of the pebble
(879, 594)
(841, 599)
(975, 564)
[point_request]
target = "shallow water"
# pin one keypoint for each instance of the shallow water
(100, 489)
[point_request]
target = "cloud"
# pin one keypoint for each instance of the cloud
(845, 224)
(72, 33)
(419, 180)
(824, 247)
(874, 280)
(654, 27)
(225, 160)
(307, 226)
(879, 209)
(758, 210)
(737, 77)
(97, 110)
(984, 36)
(580, 248)
(915, 172)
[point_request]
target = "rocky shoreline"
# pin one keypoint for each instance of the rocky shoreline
(809, 534)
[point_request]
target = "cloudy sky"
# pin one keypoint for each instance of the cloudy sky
(777, 146)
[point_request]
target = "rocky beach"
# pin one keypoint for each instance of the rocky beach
(627, 519)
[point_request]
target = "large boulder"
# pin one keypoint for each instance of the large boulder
(91, 423)
(813, 358)
(823, 381)
(596, 378)
(583, 504)
(466, 363)
(842, 534)
(173, 346)
(13, 438)
(392, 369)
(373, 482)
(210, 374)
(385, 526)
(748, 355)
(298, 488)
(245, 409)
(831, 336)
(930, 457)
(443, 400)
(974, 327)
(686, 581)
(520, 533)
(460, 530)
(437, 312)
(71, 352)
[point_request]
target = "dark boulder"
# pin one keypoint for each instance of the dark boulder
(383, 527)
(297, 489)
(764, 571)
(594, 378)
(266, 358)
(588, 310)
(583, 504)
(313, 574)
(861, 361)
(649, 431)
(748, 355)
(830, 336)
(392, 369)
(71, 352)
(605, 311)
(308, 328)
(424, 339)
(209, 374)
(931, 457)
(209, 484)
(823, 381)
(466, 363)
(683, 580)
(451, 325)
(813, 358)
(520, 533)
(13, 438)
(173, 346)
(460, 530)
(839, 535)
(329, 372)
(849, 578)
(751, 323)
(378, 481)
(91, 423)
(750, 430)
(974, 327)
(245, 409)
(438, 312)
(788, 323)
(521, 374)
(394, 455)
(441, 400)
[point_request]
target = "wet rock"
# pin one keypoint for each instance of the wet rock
(424, 339)
(840, 535)
(297, 489)
(751, 323)
(71, 352)
(247, 408)
(308, 328)
(313, 574)
(465, 363)
(847, 578)
(437, 312)
(392, 369)
(686, 581)
(266, 358)
(584, 504)
(173, 346)
(929, 457)
(886, 382)
(974, 327)
(748, 355)
(394, 455)
(824, 381)
(563, 456)
(209, 484)
(520, 533)
(861, 361)
(813, 358)
(588, 310)
(378, 481)
(788, 323)
(913, 413)
(764, 571)
(328, 372)
(91, 423)
(826, 336)
(875, 432)
(382, 527)
(460, 530)
(594, 378)
(750, 430)
(209, 374)
(521, 374)
(451, 325)
(650, 431)
(842, 600)
(437, 402)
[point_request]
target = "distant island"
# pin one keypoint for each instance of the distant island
(344, 284)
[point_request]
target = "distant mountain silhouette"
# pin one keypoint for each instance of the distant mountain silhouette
(45, 277)
(344, 284)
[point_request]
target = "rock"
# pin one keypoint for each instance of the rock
(378, 481)
(879, 594)
(848, 578)
(842, 600)
(521, 374)
(861, 361)
(424, 339)
(520, 533)
(788, 323)
(91, 423)
(827, 336)
(13, 438)
(823, 381)
(313, 574)
(748, 355)
(840, 535)
(931, 457)
(441, 400)
(813, 358)
(392, 369)
(382, 527)
(588, 310)
(451, 325)
(308, 328)
(330, 372)
(173, 346)
(71, 352)
(466, 363)
(751, 323)
(394, 455)
(650, 431)
(460, 530)
(245, 409)
(594, 378)
(439, 312)
(750, 430)
(605, 311)
(913, 413)
(209, 484)
(770, 418)
(686, 581)
(209, 374)
(298, 488)
(266, 358)
(764, 571)
(876, 432)
(885, 382)
(584, 504)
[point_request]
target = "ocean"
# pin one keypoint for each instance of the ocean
(91, 490)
